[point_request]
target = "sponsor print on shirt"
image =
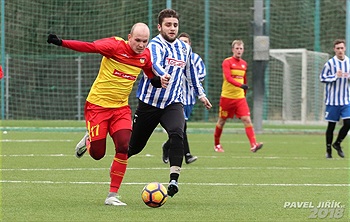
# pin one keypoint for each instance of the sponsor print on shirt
(124, 75)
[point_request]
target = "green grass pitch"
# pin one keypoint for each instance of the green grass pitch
(42, 180)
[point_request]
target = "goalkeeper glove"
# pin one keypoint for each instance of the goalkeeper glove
(54, 39)
(155, 81)
(244, 86)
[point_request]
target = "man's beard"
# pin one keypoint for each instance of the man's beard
(168, 39)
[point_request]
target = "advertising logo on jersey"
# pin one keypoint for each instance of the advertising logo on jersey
(124, 75)
(175, 63)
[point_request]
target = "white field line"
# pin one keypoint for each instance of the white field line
(193, 184)
(32, 141)
(154, 156)
(192, 141)
(184, 168)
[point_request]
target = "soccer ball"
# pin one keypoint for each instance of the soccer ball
(154, 194)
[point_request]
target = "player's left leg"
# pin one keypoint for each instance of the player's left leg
(243, 112)
(173, 122)
(120, 130)
(249, 130)
(345, 115)
(118, 167)
(189, 158)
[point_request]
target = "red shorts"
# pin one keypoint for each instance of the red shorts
(100, 120)
(229, 108)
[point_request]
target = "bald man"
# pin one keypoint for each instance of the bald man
(106, 108)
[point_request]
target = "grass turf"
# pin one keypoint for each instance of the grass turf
(41, 180)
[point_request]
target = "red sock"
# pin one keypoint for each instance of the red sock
(251, 135)
(217, 135)
(117, 171)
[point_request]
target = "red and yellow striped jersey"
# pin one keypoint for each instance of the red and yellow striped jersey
(234, 75)
(119, 69)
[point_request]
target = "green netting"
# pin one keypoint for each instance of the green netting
(48, 82)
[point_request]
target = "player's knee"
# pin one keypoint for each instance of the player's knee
(97, 149)
(122, 149)
(121, 145)
(176, 140)
(96, 155)
(178, 132)
(121, 140)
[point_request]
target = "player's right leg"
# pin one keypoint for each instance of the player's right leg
(226, 110)
(329, 139)
(96, 118)
(146, 119)
(217, 135)
(332, 115)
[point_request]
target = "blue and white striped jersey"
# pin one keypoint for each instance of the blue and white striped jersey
(188, 93)
(174, 59)
(336, 89)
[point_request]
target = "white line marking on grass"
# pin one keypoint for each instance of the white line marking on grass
(35, 155)
(32, 141)
(156, 156)
(194, 184)
(192, 168)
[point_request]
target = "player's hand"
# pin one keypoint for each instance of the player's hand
(54, 39)
(340, 74)
(155, 81)
(244, 86)
(206, 102)
(165, 80)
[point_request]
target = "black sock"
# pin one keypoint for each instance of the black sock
(174, 176)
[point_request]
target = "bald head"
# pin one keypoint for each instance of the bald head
(138, 37)
(139, 28)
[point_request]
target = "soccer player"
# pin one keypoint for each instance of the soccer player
(233, 101)
(335, 74)
(189, 101)
(1, 73)
(106, 108)
(171, 60)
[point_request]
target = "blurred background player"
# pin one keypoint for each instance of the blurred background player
(106, 108)
(335, 74)
(233, 101)
(171, 60)
(189, 101)
(1, 73)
